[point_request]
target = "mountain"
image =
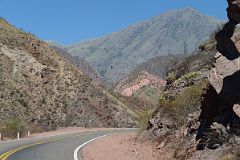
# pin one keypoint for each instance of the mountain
(148, 80)
(42, 88)
(158, 66)
(80, 63)
(141, 85)
(118, 54)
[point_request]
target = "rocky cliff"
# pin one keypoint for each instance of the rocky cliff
(39, 86)
(221, 101)
(200, 107)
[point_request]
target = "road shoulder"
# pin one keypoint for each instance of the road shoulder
(123, 146)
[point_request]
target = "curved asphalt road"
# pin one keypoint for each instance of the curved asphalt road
(52, 148)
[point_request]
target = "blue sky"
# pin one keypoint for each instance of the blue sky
(70, 21)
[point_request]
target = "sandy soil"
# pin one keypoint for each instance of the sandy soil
(123, 146)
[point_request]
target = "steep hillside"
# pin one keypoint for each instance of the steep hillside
(79, 63)
(41, 87)
(201, 106)
(172, 33)
(158, 66)
(148, 81)
(141, 85)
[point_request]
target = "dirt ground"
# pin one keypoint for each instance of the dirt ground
(123, 146)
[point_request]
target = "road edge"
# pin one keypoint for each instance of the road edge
(76, 151)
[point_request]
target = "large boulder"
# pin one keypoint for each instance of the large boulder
(234, 11)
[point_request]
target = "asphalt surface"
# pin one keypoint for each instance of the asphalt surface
(51, 148)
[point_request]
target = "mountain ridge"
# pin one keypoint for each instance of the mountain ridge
(116, 55)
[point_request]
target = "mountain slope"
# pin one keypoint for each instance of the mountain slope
(79, 63)
(172, 33)
(148, 80)
(39, 86)
(158, 66)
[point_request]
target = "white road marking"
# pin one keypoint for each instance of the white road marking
(75, 155)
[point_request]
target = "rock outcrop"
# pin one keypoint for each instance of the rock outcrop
(216, 124)
(234, 11)
(222, 97)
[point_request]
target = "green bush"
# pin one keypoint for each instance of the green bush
(13, 127)
(187, 102)
(187, 77)
(163, 99)
(143, 118)
(170, 77)
(148, 94)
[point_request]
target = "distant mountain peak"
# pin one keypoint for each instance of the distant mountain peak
(172, 33)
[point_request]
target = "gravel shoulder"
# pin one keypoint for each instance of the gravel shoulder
(124, 146)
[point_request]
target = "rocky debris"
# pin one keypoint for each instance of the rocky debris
(162, 128)
(161, 145)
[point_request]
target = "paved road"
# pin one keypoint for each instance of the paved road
(52, 148)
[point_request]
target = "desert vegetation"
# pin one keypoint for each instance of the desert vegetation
(143, 118)
(12, 127)
(183, 104)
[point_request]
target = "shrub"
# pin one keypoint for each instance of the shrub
(143, 118)
(170, 77)
(185, 103)
(187, 77)
(13, 127)
(148, 94)
(162, 99)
